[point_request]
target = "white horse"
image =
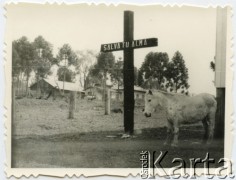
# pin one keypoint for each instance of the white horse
(181, 109)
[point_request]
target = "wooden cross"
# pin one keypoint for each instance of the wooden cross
(128, 46)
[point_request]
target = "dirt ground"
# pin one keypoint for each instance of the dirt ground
(44, 137)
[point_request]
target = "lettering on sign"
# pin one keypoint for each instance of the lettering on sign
(141, 43)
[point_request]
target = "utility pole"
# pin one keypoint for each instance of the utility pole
(64, 76)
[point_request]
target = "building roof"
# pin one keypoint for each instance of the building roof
(68, 86)
(136, 88)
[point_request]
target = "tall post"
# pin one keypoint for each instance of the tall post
(72, 105)
(220, 113)
(107, 101)
(64, 77)
(220, 69)
(128, 74)
(39, 92)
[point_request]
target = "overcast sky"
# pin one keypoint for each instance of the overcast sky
(190, 30)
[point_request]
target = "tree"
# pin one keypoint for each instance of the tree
(117, 73)
(93, 78)
(140, 77)
(154, 67)
(63, 72)
(69, 74)
(135, 76)
(212, 66)
(45, 46)
(103, 67)
(43, 57)
(66, 51)
(85, 60)
(22, 59)
(16, 61)
(177, 74)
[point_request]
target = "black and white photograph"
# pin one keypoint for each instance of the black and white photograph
(144, 88)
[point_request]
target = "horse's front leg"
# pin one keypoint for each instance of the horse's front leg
(176, 134)
(169, 133)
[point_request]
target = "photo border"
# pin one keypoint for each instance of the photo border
(61, 172)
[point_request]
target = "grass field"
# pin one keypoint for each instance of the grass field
(43, 137)
(47, 117)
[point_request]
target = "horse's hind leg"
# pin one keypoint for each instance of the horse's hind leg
(211, 125)
(205, 125)
(169, 133)
(175, 133)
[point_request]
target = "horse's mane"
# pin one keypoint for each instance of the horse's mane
(168, 93)
(174, 97)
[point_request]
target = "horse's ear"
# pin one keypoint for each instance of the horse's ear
(149, 92)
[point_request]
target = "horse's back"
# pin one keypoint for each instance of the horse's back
(208, 99)
(198, 107)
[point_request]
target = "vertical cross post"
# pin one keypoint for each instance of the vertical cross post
(128, 45)
(128, 74)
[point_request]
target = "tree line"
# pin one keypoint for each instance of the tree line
(158, 72)
(35, 59)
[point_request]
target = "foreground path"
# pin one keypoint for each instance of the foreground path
(105, 150)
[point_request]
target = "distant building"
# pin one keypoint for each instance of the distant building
(46, 86)
(94, 91)
(118, 94)
(97, 90)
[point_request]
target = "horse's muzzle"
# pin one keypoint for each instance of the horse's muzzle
(148, 114)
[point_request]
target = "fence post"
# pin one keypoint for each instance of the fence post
(72, 104)
(107, 102)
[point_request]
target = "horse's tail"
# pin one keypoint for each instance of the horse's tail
(214, 97)
(214, 102)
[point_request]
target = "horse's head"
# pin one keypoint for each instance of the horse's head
(149, 104)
